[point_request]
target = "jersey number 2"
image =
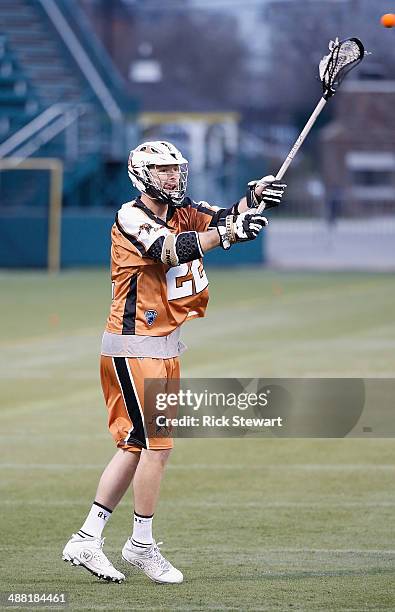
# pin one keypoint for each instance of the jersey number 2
(185, 280)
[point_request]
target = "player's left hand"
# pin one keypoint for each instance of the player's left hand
(266, 191)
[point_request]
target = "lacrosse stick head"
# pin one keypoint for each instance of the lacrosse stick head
(344, 56)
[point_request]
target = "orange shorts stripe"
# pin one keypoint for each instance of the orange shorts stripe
(122, 380)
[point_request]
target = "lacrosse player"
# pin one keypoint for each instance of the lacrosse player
(158, 282)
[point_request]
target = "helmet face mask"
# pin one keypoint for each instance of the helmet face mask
(147, 171)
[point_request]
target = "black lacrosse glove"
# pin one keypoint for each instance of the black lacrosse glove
(271, 196)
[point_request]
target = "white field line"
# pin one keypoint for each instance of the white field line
(235, 364)
(213, 466)
(206, 371)
(90, 374)
(345, 551)
(52, 356)
(213, 328)
(216, 608)
(33, 436)
(15, 374)
(329, 551)
(208, 504)
(51, 466)
(45, 340)
(350, 374)
(37, 437)
(347, 343)
(219, 608)
(85, 395)
(51, 352)
(87, 340)
(290, 504)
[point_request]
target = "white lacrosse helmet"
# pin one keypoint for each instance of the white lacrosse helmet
(144, 158)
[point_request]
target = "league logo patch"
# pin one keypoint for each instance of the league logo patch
(150, 316)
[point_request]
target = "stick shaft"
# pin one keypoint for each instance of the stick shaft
(301, 139)
(298, 144)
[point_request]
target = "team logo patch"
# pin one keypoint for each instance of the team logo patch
(150, 316)
(146, 227)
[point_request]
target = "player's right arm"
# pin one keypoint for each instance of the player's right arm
(209, 240)
(231, 229)
(175, 249)
(152, 241)
(225, 226)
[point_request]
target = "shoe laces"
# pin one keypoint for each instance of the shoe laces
(158, 558)
(99, 555)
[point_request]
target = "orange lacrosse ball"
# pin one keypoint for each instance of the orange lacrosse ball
(388, 20)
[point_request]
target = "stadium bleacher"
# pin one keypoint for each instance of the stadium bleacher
(52, 67)
(18, 102)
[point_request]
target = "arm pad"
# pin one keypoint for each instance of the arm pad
(173, 249)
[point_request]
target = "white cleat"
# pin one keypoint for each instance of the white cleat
(87, 552)
(152, 562)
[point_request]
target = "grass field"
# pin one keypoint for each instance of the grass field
(271, 524)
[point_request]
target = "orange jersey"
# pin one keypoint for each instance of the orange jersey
(149, 297)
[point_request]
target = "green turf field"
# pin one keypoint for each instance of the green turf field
(269, 524)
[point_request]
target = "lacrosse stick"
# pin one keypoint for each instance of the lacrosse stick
(343, 57)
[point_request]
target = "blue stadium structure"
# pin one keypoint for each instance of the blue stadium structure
(54, 70)
(60, 97)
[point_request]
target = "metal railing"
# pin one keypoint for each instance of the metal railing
(41, 130)
(88, 69)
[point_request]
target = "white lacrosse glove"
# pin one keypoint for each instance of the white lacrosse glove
(240, 228)
(271, 195)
